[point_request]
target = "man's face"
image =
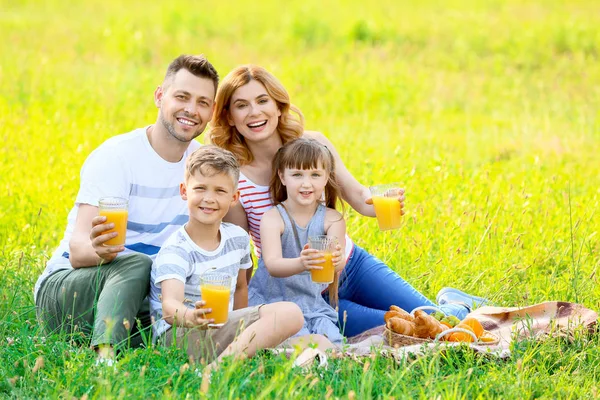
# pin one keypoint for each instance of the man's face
(185, 104)
(209, 197)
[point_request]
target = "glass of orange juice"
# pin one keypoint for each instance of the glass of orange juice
(115, 211)
(326, 245)
(215, 290)
(387, 206)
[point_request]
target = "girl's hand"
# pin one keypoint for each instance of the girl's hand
(310, 258)
(338, 258)
(400, 197)
(196, 317)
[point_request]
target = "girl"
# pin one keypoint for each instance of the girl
(253, 118)
(305, 193)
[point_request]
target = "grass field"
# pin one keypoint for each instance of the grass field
(486, 111)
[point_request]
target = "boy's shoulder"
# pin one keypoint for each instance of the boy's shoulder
(177, 240)
(234, 231)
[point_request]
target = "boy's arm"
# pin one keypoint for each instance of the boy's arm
(240, 297)
(271, 228)
(175, 312)
(335, 225)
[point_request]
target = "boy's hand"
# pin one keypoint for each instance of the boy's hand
(197, 317)
(338, 258)
(98, 238)
(400, 197)
(310, 258)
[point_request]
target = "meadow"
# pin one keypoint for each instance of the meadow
(487, 112)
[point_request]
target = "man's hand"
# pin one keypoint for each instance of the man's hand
(98, 237)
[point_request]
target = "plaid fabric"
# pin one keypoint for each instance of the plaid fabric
(551, 318)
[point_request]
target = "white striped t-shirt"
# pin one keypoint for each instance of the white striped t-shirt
(182, 259)
(127, 166)
(256, 201)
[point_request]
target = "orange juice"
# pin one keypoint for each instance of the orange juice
(217, 298)
(324, 275)
(119, 218)
(388, 212)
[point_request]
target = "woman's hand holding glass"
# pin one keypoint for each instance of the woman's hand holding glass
(400, 196)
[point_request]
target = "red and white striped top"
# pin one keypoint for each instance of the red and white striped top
(256, 201)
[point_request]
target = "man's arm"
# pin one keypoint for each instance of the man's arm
(86, 247)
(240, 297)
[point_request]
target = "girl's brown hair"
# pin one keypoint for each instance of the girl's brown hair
(222, 134)
(305, 153)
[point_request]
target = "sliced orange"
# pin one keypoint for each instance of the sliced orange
(475, 325)
(461, 336)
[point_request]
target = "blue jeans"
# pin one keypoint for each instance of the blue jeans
(367, 289)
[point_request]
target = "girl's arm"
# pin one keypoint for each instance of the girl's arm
(353, 192)
(237, 216)
(177, 313)
(240, 297)
(335, 225)
(271, 228)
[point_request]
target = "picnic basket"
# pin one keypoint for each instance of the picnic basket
(398, 340)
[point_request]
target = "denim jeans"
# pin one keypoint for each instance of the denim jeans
(367, 289)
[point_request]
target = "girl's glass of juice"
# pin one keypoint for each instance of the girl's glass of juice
(115, 211)
(215, 290)
(387, 206)
(326, 245)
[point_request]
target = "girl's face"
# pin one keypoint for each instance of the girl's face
(304, 186)
(253, 112)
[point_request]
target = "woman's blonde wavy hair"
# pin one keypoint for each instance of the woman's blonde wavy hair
(290, 126)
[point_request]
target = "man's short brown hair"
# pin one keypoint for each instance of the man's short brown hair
(210, 160)
(196, 65)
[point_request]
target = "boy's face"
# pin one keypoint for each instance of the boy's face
(209, 197)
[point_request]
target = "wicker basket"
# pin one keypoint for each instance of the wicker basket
(397, 340)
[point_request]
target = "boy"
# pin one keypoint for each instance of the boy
(205, 243)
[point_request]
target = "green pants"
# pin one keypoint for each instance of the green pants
(102, 302)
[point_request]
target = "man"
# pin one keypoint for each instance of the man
(97, 289)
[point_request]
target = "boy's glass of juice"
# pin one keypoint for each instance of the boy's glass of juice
(326, 245)
(215, 290)
(115, 211)
(387, 206)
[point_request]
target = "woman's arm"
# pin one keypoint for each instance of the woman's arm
(353, 192)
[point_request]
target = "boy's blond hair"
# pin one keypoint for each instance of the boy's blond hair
(210, 160)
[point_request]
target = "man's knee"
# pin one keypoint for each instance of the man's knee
(138, 265)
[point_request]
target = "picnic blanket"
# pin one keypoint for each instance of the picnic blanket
(551, 318)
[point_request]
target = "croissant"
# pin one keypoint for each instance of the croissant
(426, 326)
(398, 309)
(401, 326)
(396, 314)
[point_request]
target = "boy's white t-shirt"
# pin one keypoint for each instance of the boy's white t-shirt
(127, 166)
(182, 259)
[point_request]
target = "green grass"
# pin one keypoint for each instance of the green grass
(487, 112)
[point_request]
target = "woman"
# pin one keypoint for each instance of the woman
(253, 118)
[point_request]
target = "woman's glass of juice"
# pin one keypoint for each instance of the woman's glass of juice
(115, 211)
(215, 290)
(326, 245)
(387, 206)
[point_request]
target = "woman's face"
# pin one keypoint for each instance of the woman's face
(253, 112)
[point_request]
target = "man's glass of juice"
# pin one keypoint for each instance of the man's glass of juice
(115, 211)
